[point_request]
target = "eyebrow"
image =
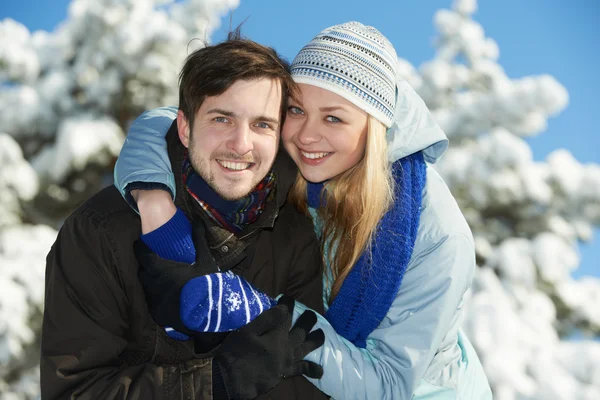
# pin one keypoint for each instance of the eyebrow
(267, 119)
(221, 111)
(334, 108)
(232, 114)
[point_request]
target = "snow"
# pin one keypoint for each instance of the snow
(527, 217)
(19, 59)
(23, 250)
(72, 93)
(583, 296)
(79, 141)
(18, 181)
(558, 258)
(66, 99)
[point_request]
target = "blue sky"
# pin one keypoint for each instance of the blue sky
(534, 36)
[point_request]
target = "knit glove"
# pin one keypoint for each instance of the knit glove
(217, 302)
(163, 279)
(257, 357)
(221, 302)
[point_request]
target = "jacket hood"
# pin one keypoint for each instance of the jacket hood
(414, 128)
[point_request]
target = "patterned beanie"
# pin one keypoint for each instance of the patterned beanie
(354, 61)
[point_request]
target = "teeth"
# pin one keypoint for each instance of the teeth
(235, 166)
(314, 156)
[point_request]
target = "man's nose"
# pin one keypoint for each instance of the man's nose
(241, 140)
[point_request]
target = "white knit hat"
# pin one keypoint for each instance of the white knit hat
(354, 61)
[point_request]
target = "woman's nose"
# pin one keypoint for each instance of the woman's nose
(309, 133)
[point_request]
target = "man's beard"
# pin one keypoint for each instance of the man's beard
(202, 168)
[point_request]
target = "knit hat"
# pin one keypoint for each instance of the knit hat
(354, 61)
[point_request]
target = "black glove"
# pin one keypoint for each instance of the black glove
(163, 279)
(259, 355)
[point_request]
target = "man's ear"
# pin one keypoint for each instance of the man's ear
(183, 129)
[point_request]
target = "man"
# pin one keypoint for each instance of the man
(99, 339)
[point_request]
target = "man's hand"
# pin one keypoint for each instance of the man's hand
(155, 206)
(257, 357)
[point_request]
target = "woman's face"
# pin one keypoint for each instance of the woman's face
(325, 134)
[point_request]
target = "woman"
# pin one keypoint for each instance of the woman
(399, 255)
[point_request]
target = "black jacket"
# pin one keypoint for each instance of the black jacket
(98, 339)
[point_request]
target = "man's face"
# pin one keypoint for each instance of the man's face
(235, 136)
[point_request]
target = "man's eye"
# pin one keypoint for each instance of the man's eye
(264, 125)
(331, 118)
(221, 119)
(295, 110)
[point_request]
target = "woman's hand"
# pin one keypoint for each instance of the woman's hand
(155, 206)
(164, 279)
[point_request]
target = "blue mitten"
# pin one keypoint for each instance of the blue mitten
(217, 302)
(221, 302)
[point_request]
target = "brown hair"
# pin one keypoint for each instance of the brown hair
(355, 202)
(211, 70)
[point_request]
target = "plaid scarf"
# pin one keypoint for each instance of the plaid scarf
(233, 215)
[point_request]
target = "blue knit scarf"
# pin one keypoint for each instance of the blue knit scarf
(372, 285)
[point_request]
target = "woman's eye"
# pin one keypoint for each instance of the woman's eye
(295, 110)
(331, 118)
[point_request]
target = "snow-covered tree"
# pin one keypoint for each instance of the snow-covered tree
(67, 97)
(527, 217)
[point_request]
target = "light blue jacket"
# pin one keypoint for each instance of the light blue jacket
(418, 351)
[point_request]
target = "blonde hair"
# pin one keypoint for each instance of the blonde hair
(355, 202)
